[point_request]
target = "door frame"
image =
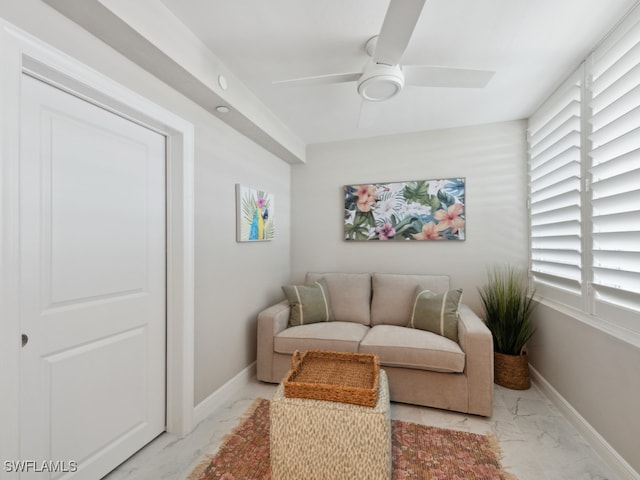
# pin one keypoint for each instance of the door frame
(21, 53)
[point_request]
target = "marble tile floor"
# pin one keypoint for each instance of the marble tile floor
(537, 441)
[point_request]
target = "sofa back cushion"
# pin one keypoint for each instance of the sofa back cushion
(394, 295)
(350, 295)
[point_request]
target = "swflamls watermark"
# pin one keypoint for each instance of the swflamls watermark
(39, 466)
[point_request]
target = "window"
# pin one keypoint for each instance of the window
(584, 181)
(555, 183)
(614, 171)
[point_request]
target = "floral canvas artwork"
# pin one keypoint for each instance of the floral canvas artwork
(255, 210)
(417, 210)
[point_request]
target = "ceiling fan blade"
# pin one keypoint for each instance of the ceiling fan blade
(320, 79)
(369, 112)
(431, 76)
(397, 28)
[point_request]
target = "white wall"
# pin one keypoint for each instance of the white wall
(594, 372)
(233, 281)
(492, 158)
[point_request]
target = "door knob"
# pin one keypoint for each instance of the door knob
(25, 339)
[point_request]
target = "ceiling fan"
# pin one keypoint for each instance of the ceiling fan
(383, 77)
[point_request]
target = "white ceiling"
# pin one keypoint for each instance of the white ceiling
(531, 44)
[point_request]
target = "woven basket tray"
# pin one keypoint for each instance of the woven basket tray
(334, 376)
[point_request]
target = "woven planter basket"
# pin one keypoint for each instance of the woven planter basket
(511, 371)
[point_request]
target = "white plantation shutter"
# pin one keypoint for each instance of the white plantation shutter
(584, 181)
(555, 194)
(615, 172)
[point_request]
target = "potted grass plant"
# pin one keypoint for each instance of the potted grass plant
(508, 305)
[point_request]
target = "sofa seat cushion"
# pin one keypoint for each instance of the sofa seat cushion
(334, 336)
(411, 348)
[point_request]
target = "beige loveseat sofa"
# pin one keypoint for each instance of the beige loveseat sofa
(372, 315)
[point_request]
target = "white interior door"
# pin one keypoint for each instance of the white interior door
(92, 285)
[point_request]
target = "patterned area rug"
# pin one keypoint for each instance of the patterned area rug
(419, 452)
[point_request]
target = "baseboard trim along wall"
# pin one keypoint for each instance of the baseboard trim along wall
(618, 464)
(218, 398)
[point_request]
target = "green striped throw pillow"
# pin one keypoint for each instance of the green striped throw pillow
(309, 304)
(436, 312)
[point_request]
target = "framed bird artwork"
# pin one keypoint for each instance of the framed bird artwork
(255, 209)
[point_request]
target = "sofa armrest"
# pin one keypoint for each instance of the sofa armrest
(271, 321)
(477, 342)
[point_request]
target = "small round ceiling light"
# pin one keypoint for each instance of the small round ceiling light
(222, 81)
(222, 109)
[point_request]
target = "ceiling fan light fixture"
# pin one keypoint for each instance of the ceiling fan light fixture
(378, 89)
(380, 82)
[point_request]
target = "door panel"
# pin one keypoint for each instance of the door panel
(92, 288)
(113, 176)
(105, 376)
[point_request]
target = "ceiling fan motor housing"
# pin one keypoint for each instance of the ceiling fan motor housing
(380, 82)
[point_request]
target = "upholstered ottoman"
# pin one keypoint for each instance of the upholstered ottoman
(317, 439)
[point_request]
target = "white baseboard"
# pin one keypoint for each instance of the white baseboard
(218, 398)
(618, 464)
